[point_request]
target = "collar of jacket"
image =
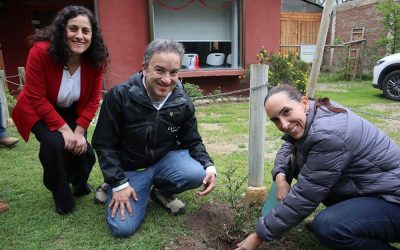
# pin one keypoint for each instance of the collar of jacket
(139, 93)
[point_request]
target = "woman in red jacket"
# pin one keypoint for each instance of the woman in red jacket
(61, 95)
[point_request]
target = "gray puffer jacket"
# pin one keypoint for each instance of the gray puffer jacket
(340, 156)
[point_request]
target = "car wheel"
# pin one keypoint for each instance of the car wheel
(391, 85)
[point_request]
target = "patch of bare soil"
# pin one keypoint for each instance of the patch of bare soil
(211, 126)
(394, 122)
(208, 225)
(211, 227)
(223, 148)
(332, 87)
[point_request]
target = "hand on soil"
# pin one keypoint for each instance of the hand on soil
(252, 242)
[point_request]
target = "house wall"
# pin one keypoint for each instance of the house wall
(125, 28)
(262, 27)
(13, 32)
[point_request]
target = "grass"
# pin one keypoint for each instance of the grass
(31, 222)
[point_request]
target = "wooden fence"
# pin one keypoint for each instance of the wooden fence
(298, 28)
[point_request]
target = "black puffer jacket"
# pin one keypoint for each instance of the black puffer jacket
(340, 156)
(132, 134)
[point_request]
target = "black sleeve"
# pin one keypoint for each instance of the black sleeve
(191, 139)
(106, 139)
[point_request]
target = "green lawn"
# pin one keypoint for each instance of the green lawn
(31, 223)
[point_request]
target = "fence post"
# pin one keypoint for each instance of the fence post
(21, 74)
(321, 40)
(3, 98)
(256, 191)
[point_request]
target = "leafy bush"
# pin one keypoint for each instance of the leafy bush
(390, 9)
(288, 69)
(11, 101)
(192, 90)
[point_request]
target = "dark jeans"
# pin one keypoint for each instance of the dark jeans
(359, 223)
(61, 167)
(356, 223)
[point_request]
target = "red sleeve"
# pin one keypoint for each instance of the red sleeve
(38, 84)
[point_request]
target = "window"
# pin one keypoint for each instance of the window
(204, 27)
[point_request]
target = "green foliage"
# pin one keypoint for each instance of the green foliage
(288, 69)
(391, 11)
(11, 101)
(192, 90)
(234, 186)
(216, 92)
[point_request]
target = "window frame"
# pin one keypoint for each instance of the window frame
(237, 66)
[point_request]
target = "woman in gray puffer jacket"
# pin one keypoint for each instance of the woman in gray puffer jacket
(344, 162)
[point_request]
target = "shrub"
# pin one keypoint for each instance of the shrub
(192, 90)
(287, 69)
(11, 101)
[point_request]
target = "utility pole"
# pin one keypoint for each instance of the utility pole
(321, 40)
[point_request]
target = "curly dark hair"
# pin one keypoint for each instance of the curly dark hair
(97, 54)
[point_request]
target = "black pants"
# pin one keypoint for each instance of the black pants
(61, 167)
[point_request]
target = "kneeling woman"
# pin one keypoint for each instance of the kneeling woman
(342, 161)
(60, 97)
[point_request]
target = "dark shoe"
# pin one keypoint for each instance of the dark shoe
(62, 207)
(3, 206)
(61, 211)
(172, 204)
(82, 190)
(8, 141)
(100, 197)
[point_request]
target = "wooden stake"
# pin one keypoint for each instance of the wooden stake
(321, 40)
(257, 124)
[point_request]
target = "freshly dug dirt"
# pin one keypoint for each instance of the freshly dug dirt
(210, 230)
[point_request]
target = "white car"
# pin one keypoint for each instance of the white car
(387, 76)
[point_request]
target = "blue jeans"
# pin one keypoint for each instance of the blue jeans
(359, 223)
(176, 172)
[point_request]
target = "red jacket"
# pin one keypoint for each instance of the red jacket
(38, 97)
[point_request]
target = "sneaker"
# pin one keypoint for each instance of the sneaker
(3, 206)
(8, 141)
(100, 196)
(172, 204)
